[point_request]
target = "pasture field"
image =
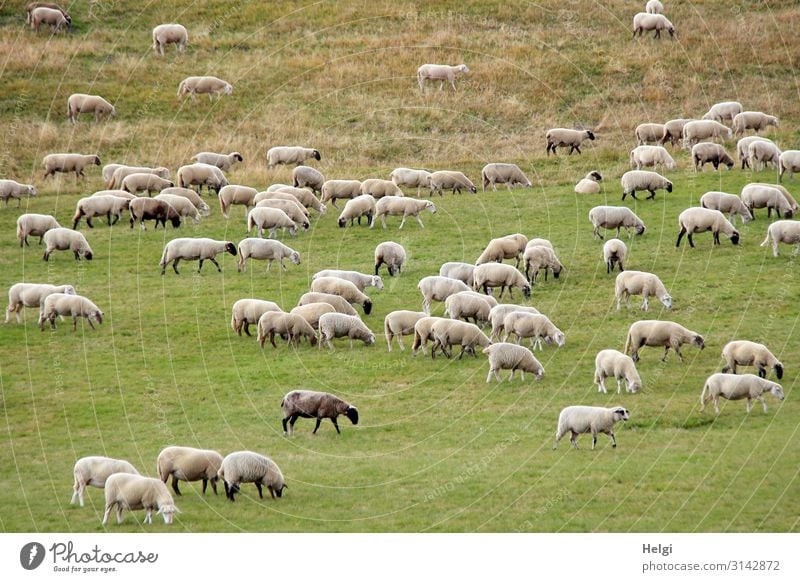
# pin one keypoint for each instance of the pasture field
(437, 449)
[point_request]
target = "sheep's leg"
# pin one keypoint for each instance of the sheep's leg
(174, 267)
(107, 513)
(402, 222)
(489, 376)
(645, 303)
(260, 490)
(748, 405)
(119, 513)
(89, 319)
(619, 386)
(400, 342)
(716, 404)
(175, 485)
(677, 349)
(573, 438)
(680, 236)
(594, 439)
(716, 237)
(291, 423)
(420, 221)
(664, 359)
(689, 238)
(319, 421)
(216, 264)
(613, 440)
(336, 425)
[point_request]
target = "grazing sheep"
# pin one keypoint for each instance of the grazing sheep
(333, 325)
(62, 304)
(500, 275)
(614, 251)
(411, 178)
(34, 5)
(363, 205)
(699, 130)
(405, 207)
(11, 189)
(694, 220)
(82, 103)
(498, 314)
(31, 295)
(305, 197)
(762, 153)
(451, 332)
(160, 211)
(752, 120)
(34, 225)
(440, 73)
(614, 364)
(705, 152)
(65, 239)
(319, 405)
(291, 155)
(729, 204)
(200, 175)
(561, 137)
(165, 34)
(391, 254)
(505, 356)
(120, 173)
(508, 174)
(743, 148)
(68, 163)
(766, 196)
(183, 206)
(307, 177)
(207, 84)
(539, 257)
(193, 249)
(292, 208)
(673, 131)
(535, 326)
(235, 194)
(733, 387)
(109, 169)
(54, 18)
(360, 280)
(724, 110)
(461, 271)
(378, 188)
(270, 219)
(149, 183)
(95, 206)
(117, 193)
(649, 133)
(655, 333)
(95, 471)
(609, 217)
(645, 22)
(221, 161)
(343, 288)
(466, 304)
(594, 419)
(399, 323)
(312, 312)
(511, 246)
(789, 162)
(189, 464)
(248, 467)
(437, 288)
(247, 312)
(654, 7)
(265, 250)
(640, 180)
(334, 190)
(449, 180)
(335, 301)
(292, 325)
(783, 231)
(651, 155)
(190, 195)
(640, 283)
(423, 333)
(747, 353)
(589, 184)
(789, 198)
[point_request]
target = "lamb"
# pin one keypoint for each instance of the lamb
(535, 326)
(265, 250)
(319, 405)
(34, 225)
(752, 120)
(498, 314)
(200, 175)
(391, 254)
(345, 289)
(638, 180)
(589, 184)
(31, 295)
(437, 288)
(440, 73)
(609, 217)
(335, 301)
(68, 163)
(747, 353)
(724, 110)
(142, 209)
(789, 162)
(305, 176)
(614, 251)
(694, 220)
(363, 205)
(55, 18)
(303, 196)
(511, 246)
(193, 249)
(312, 312)
(660, 333)
(62, 304)
(411, 178)
(11, 189)
(769, 197)
(423, 332)
(651, 155)
(743, 147)
(673, 131)
(614, 364)
(82, 103)
(466, 304)
(703, 153)
(379, 188)
(405, 207)
(699, 130)
(449, 180)
(508, 174)
(649, 133)
(221, 161)
(189, 464)
(248, 467)
(207, 84)
(333, 325)
(247, 312)
(34, 5)
(645, 22)
(729, 204)
(235, 194)
(360, 280)
(594, 419)
(640, 283)
(65, 239)
(95, 206)
(95, 471)
(567, 137)
(270, 219)
(165, 34)
(505, 356)
(334, 190)
(461, 271)
(500, 275)
(451, 332)
(149, 183)
(183, 206)
(539, 257)
(733, 387)
(762, 153)
(121, 172)
(290, 155)
(783, 231)
(654, 7)
(399, 323)
(191, 196)
(291, 325)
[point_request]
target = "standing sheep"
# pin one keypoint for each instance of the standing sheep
(437, 288)
(614, 251)
(31, 295)
(724, 110)
(539, 257)
(355, 208)
(783, 231)
(165, 34)
(265, 250)
(378, 188)
(505, 356)
(189, 464)
(673, 131)
(743, 147)
(651, 155)
(399, 323)
(733, 387)
(62, 304)
(660, 333)
(235, 194)
(423, 333)
(440, 73)
(82, 103)
(594, 419)
(508, 174)
(752, 120)
(498, 314)
(318, 405)
(703, 153)
(304, 196)
(590, 184)
(405, 207)
(335, 301)
(312, 312)
(207, 84)
(450, 332)
(500, 275)
(270, 219)
(182, 206)
(293, 326)
(334, 190)
(610, 217)
(466, 304)
(221, 161)
(190, 195)
(649, 133)
(12, 189)
(333, 325)
(307, 177)
(121, 172)
(68, 163)
(461, 271)
(694, 220)
(291, 155)
(136, 492)
(410, 178)
(345, 289)
(729, 204)
(747, 353)
(160, 211)
(193, 249)
(640, 180)
(614, 364)
(535, 326)
(511, 246)
(640, 283)
(391, 254)
(769, 197)
(789, 162)
(95, 206)
(149, 183)
(65, 239)
(449, 180)
(95, 471)
(572, 138)
(247, 312)
(360, 280)
(645, 22)
(248, 467)
(199, 174)
(53, 17)
(762, 153)
(699, 130)
(34, 225)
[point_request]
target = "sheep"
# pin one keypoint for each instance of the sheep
(334, 190)
(645, 22)
(95, 206)
(648, 133)
(31, 295)
(511, 246)
(466, 304)
(137, 492)
(423, 332)
(68, 163)
(640, 283)
(747, 353)
(743, 148)
(654, 7)
(590, 184)
(306, 176)
(165, 34)
(698, 130)
(200, 175)
(733, 387)
(651, 155)
(784, 192)
(265, 250)
(461, 271)
(34, 5)
(65, 239)
(249, 467)
(789, 161)
(783, 231)
(609, 217)
(12, 189)
(117, 193)
(81, 103)
(451, 332)
(363, 205)
(290, 155)
(207, 84)
(120, 173)
(615, 364)
(311, 312)
(109, 169)
(193, 249)
(405, 207)
(291, 325)
(35, 225)
(705, 152)
(292, 208)
(594, 419)
(378, 188)
(55, 18)
(694, 220)
(729, 204)
(149, 183)
(500, 275)
(343, 288)
(614, 251)
(335, 301)
(270, 219)
(673, 131)
(410, 178)
(191, 196)
(567, 137)
(235, 194)
(183, 206)
(498, 314)
(440, 73)
(724, 110)
(304, 198)
(505, 356)
(449, 180)
(391, 254)
(221, 161)
(766, 196)
(61, 304)
(539, 257)
(142, 209)
(535, 326)
(360, 280)
(247, 312)
(508, 174)
(333, 325)
(319, 405)
(437, 288)
(189, 464)
(752, 120)
(95, 471)
(396, 324)
(660, 333)
(762, 153)
(638, 180)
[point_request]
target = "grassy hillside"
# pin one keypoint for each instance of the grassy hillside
(438, 449)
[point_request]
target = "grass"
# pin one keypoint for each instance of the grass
(438, 449)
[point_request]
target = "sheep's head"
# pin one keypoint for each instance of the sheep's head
(778, 367)
(788, 214)
(590, 134)
(633, 387)
(352, 414)
(168, 511)
(367, 307)
(70, 290)
(175, 221)
(96, 161)
(699, 342)
(230, 248)
(295, 257)
(32, 191)
(278, 491)
(557, 270)
(430, 207)
(526, 290)
(621, 414)
(473, 189)
(669, 186)
(316, 155)
(560, 339)
(98, 316)
(370, 339)
(342, 222)
(735, 237)
(238, 157)
(463, 68)
(639, 229)
(377, 282)
(595, 176)
(87, 255)
(771, 120)
(667, 301)
(777, 391)
(307, 225)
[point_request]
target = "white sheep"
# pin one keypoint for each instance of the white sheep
(640, 283)
(249, 467)
(94, 206)
(594, 419)
(673, 131)
(343, 288)
(614, 364)
(333, 325)
(292, 208)
(451, 332)
(610, 217)
(338, 303)
(654, 7)
(649, 133)
(752, 120)
(738, 387)
(505, 356)
(391, 254)
(498, 314)
(572, 138)
(34, 5)
(68, 163)
(767, 196)
(590, 184)
(193, 249)
(360, 280)
(410, 178)
(642, 180)
(511, 246)
(304, 196)
(291, 155)
(614, 251)
(318, 405)
(466, 304)
(63, 304)
(743, 147)
(437, 288)
(65, 239)
(405, 207)
(645, 22)
(34, 225)
(200, 175)
(783, 231)
(206, 84)
(81, 103)
(449, 180)
(378, 188)
(334, 190)
(191, 196)
(789, 162)
(699, 130)
(183, 206)
(189, 464)
(508, 174)
(535, 326)
(762, 153)
(121, 172)
(265, 250)
(655, 333)
(355, 208)
(492, 275)
(136, 492)
(729, 204)
(311, 312)
(95, 471)
(293, 326)
(694, 220)
(117, 193)
(135, 183)
(538, 257)
(440, 73)
(713, 153)
(55, 18)
(31, 295)
(236, 194)
(247, 312)
(724, 110)
(165, 34)
(651, 155)
(396, 324)
(306, 176)
(270, 219)
(221, 161)
(461, 271)
(747, 353)
(12, 189)
(423, 333)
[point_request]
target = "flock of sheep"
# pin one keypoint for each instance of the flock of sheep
(327, 311)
